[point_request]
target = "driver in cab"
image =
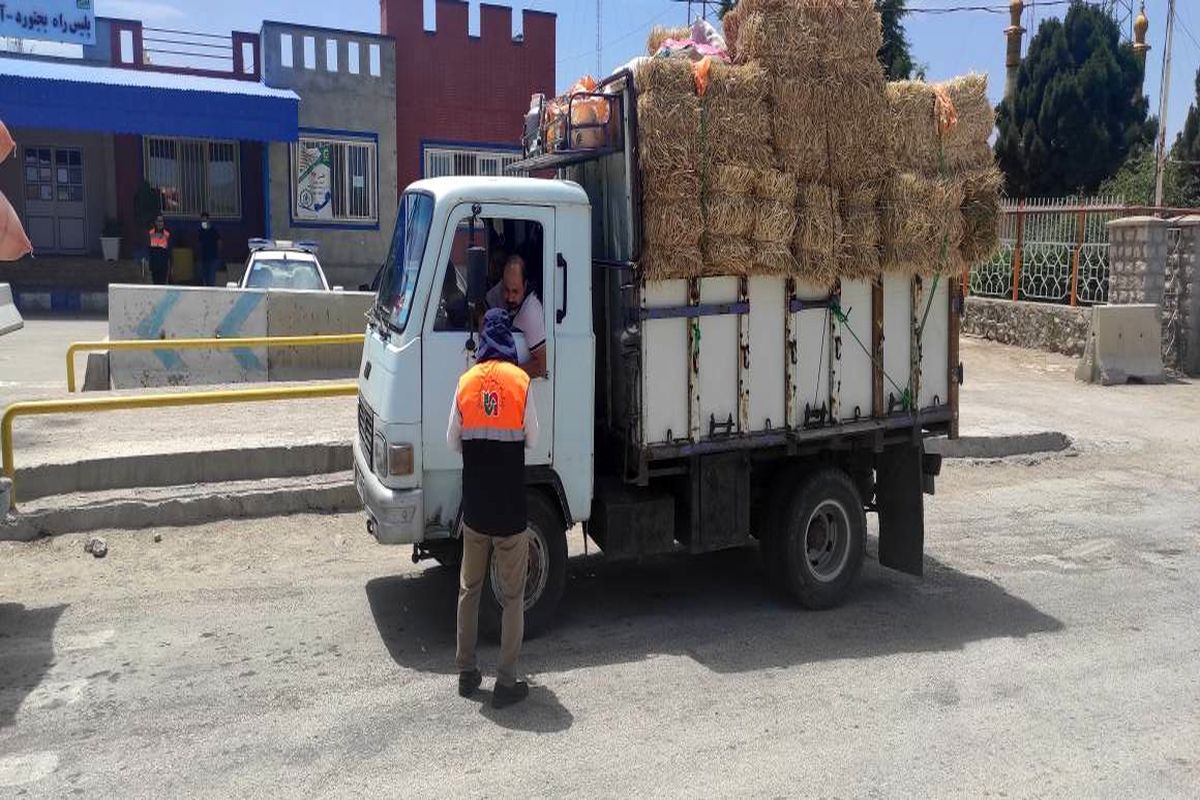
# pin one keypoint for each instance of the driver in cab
(513, 295)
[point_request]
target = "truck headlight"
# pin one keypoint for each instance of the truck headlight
(379, 459)
(391, 460)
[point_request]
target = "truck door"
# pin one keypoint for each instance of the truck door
(525, 231)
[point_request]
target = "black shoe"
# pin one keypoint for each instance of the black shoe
(468, 682)
(503, 696)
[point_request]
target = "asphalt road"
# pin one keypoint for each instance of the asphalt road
(1050, 650)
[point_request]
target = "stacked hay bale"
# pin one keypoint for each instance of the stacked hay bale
(736, 146)
(660, 34)
(669, 146)
(941, 206)
(830, 114)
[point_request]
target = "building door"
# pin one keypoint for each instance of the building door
(55, 218)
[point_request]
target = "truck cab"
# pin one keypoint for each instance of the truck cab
(420, 342)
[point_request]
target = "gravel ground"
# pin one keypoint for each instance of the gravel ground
(1049, 650)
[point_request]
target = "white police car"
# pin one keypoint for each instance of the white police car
(279, 264)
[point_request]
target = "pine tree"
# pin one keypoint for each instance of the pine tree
(894, 55)
(1186, 153)
(1077, 110)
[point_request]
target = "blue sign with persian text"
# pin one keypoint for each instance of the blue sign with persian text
(72, 21)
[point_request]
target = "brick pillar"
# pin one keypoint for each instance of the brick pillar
(1137, 260)
(1182, 296)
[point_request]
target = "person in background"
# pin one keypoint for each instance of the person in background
(160, 251)
(209, 239)
(513, 294)
(493, 424)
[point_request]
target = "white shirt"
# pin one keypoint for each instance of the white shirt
(454, 430)
(530, 318)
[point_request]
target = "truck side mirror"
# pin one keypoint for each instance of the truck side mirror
(477, 266)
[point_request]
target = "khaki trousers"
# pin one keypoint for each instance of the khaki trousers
(512, 557)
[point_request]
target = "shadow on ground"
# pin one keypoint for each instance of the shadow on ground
(716, 609)
(26, 653)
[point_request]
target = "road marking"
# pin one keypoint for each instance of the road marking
(20, 770)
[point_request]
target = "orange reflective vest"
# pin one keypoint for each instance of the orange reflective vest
(491, 400)
(160, 238)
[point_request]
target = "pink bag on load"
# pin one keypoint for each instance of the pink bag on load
(13, 242)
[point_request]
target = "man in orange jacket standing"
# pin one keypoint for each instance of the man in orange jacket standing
(492, 423)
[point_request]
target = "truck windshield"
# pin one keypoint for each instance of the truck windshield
(403, 264)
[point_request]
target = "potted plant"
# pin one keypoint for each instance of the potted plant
(110, 240)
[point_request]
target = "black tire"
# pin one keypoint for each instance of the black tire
(541, 596)
(447, 554)
(819, 538)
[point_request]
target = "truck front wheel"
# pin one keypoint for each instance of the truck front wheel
(820, 539)
(546, 576)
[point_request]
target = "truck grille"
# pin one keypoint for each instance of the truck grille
(366, 430)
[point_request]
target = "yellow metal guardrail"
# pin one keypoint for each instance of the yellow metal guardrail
(206, 344)
(42, 407)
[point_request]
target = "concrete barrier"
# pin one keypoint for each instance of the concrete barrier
(167, 312)
(309, 313)
(10, 318)
(1124, 344)
(163, 312)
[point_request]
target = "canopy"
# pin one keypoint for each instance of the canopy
(74, 96)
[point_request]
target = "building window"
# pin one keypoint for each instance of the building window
(195, 175)
(335, 180)
(443, 162)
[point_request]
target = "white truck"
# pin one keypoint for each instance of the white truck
(689, 415)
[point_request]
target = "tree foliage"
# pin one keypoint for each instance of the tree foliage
(1077, 110)
(894, 55)
(1186, 154)
(1134, 181)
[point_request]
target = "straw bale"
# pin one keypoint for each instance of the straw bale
(730, 214)
(922, 224)
(669, 144)
(808, 37)
(727, 255)
(773, 258)
(776, 222)
(731, 25)
(818, 234)
(672, 223)
(661, 263)
(733, 179)
(773, 184)
(800, 130)
(916, 145)
(859, 209)
(981, 215)
(660, 34)
(670, 76)
(736, 126)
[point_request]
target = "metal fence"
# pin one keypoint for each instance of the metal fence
(1051, 250)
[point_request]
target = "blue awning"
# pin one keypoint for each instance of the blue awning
(64, 95)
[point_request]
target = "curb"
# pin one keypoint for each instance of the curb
(1018, 444)
(210, 503)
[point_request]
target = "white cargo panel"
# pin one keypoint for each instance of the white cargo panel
(766, 382)
(664, 366)
(852, 367)
(897, 339)
(718, 350)
(935, 342)
(811, 354)
(765, 369)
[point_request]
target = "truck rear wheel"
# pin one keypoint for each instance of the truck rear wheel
(546, 576)
(819, 538)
